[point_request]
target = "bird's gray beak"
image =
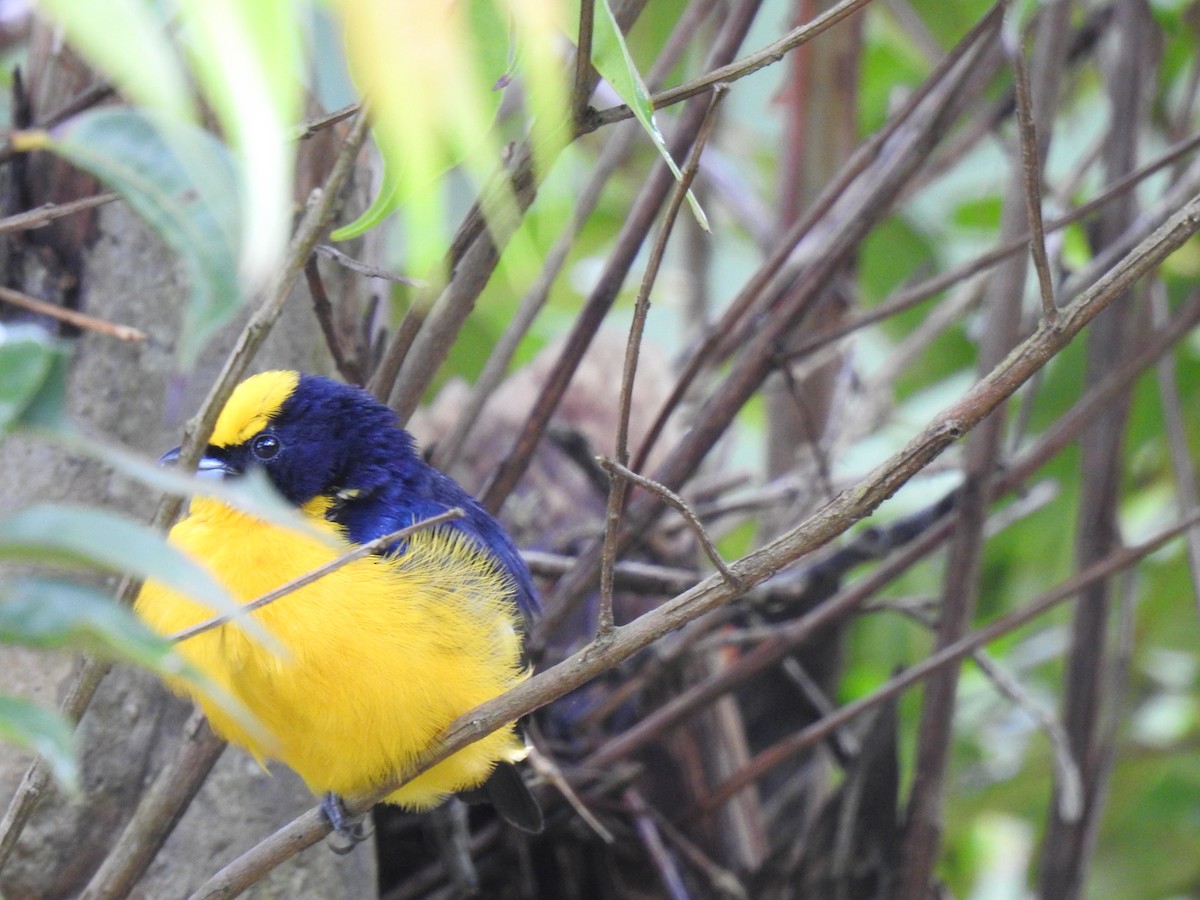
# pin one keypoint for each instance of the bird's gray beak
(213, 464)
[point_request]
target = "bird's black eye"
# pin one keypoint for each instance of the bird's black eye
(265, 446)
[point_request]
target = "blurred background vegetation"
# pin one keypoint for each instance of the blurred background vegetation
(826, 292)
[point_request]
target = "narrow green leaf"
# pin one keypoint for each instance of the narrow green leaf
(386, 202)
(245, 58)
(50, 613)
(46, 612)
(611, 57)
(435, 75)
(45, 733)
(142, 64)
(80, 535)
(183, 182)
(28, 362)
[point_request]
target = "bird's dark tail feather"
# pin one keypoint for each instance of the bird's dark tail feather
(506, 791)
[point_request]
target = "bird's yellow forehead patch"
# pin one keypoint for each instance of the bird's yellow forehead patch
(252, 405)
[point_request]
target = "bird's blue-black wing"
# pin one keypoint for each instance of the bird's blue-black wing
(396, 507)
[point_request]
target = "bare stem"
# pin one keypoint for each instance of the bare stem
(1031, 173)
(49, 212)
(71, 317)
(747, 65)
(617, 486)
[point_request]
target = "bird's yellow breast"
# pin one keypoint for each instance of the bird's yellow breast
(383, 653)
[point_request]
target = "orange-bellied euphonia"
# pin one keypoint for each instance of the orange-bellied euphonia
(383, 653)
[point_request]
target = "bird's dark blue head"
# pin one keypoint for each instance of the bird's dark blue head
(314, 437)
(317, 438)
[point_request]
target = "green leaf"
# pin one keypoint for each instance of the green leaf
(435, 75)
(45, 612)
(45, 733)
(183, 182)
(245, 58)
(49, 613)
(32, 379)
(79, 535)
(611, 57)
(143, 63)
(386, 202)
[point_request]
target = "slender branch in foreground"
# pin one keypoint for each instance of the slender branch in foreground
(747, 65)
(675, 502)
(49, 212)
(71, 317)
(347, 366)
(375, 546)
(366, 269)
(310, 127)
(1066, 768)
(158, 812)
(952, 653)
(911, 296)
(1031, 175)
(618, 486)
(584, 82)
(831, 520)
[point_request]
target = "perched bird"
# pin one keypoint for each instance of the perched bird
(383, 653)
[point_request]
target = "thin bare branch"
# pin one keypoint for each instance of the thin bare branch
(1031, 172)
(747, 65)
(158, 812)
(323, 308)
(378, 545)
(677, 503)
(584, 78)
(71, 317)
(1066, 770)
(311, 127)
(617, 468)
(546, 768)
(1097, 532)
(951, 654)
(366, 269)
(664, 863)
(1177, 442)
(50, 212)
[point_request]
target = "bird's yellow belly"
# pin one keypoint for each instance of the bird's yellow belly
(382, 654)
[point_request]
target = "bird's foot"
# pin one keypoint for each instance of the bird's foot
(352, 830)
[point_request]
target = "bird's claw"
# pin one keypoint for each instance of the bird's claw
(353, 830)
